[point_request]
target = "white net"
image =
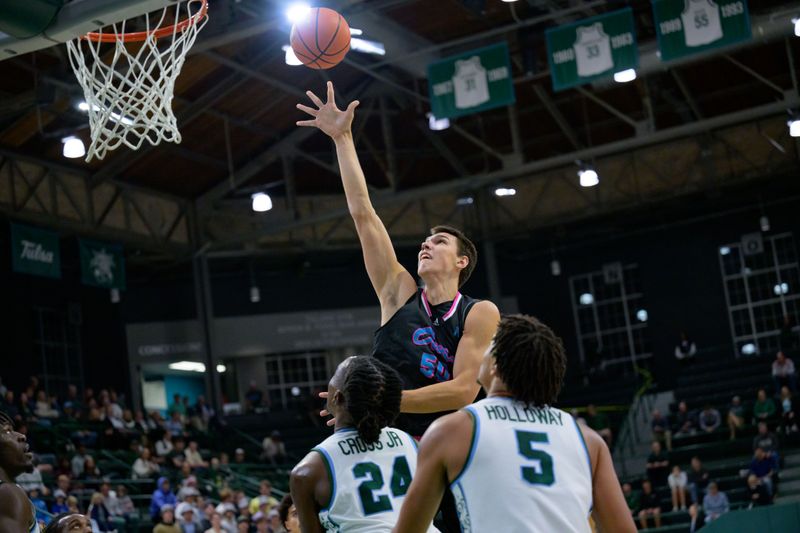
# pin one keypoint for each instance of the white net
(128, 79)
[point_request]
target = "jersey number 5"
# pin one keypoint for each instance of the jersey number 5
(544, 475)
(379, 503)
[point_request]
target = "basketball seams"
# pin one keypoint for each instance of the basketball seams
(317, 59)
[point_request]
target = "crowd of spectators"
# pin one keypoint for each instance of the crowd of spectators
(693, 490)
(192, 490)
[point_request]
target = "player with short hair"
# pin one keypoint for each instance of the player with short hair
(433, 336)
(511, 459)
(356, 479)
(69, 523)
(16, 511)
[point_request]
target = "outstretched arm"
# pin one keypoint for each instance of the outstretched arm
(392, 283)
(479, 330)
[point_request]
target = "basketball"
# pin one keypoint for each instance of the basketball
(321, 39)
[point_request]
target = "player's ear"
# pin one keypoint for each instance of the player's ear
(462, 261)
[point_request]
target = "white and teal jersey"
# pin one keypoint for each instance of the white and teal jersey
(528, 471)
(368, 481)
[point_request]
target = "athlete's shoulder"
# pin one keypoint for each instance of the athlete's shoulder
(15, 507)
(483, 310)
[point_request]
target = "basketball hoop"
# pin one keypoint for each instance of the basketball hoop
(128, 78)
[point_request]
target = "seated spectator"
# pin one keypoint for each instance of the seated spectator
(144, 467)
(631, 498)
(216, 524)
(764, 408)
(253, 398)
(274, 449)
(715, 503)
(783, 373)
(709, 419)
(174, 425)
(288, 515)
(193, 457)
(261, 521)
(142, 424)
(697, 480)
(99, 513)
(273, 522)
(765, 439)
(684, 421)
(695, 518)
(788, 419)
(649, 505)
(677, 486)
(178, 407)
(178, 455)
(39, 505)
(186, 519)
(661, 430)
(657, 465)
(599, 423)
(264, 501)
(164, 445)
(44, 407)
(242, 525)
(64, 483)
(110, 500)
(239, 457)
(201, 414)
(758, 492)
(10, 406)
(167, 522)
(29, 481)
(124, 502)
(90, 470)
(161, 496)
(764, 467)
(77, 461)
(59, 504)
(735, 416)
(72, 505)
(685, 350)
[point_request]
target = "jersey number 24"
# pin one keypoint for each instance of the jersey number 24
(398, 484)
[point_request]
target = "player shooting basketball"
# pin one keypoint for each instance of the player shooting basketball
(434, 336)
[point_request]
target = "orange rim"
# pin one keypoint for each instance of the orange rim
(139, 36)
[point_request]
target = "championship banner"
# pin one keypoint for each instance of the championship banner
(102, 264)
(686, 27)
(471, 82)
(35, 251)
(592, 48)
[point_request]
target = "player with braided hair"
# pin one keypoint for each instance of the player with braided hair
(16, 510)
(545, 472)
(356, 479)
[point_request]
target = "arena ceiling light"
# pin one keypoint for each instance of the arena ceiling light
(588, 177)
(586, 298)
(73, 147)
(437, 124)
(261, 202)
(794, 126)
(255, 294)
(724, 250)
(297, 12)
(188, 366)
(222, 369)
(465, 200)
(116, 117)
(781, 288)
(641, 315)
(624, 76)
(505, 191)
(748, 349)
(796, 22)
(367, 47)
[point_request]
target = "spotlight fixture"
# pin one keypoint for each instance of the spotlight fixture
(505, 191)
(437, 124)
(555, 267)
(794, 126)
(261, 202)
(588, 177)
(586, 298)
(796, 22)
(465, 200)
(114, 296)
(764, 223)
(221, 368)
(624, 76)
(73, 147)
(255, 294)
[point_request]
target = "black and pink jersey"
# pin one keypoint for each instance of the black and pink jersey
(420, 342)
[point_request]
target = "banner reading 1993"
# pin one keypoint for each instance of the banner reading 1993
(686, 27)
(592, 48)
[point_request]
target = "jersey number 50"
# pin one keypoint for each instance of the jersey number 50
(544, 475)
(379, 503)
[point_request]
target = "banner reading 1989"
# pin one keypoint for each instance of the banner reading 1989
(592, 48)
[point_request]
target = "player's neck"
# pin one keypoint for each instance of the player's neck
(5, 477)
(440, 291)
